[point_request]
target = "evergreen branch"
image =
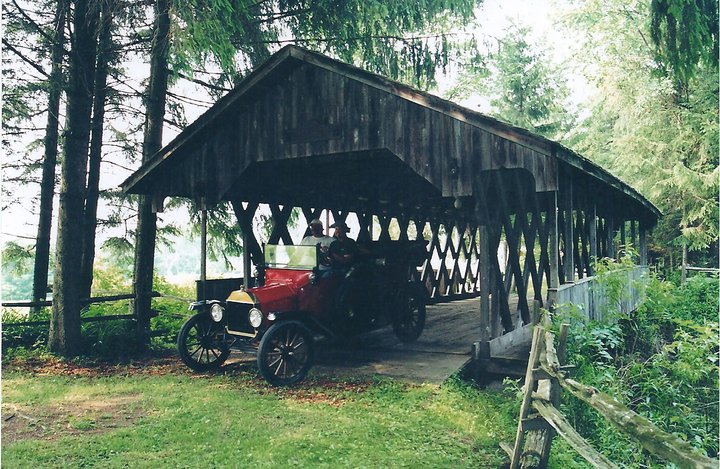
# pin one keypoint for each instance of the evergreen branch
(32, 238)
(33, 23)
(275, 16)
(112, 163)
(410, 39)
(200, 82)
(127, 45)
(185, 99)
(630, 15)
(37, 67)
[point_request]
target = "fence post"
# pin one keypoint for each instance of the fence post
(527, 395)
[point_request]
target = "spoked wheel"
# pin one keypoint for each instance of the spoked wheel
(286, 353)
(409, 320)
(200, 343)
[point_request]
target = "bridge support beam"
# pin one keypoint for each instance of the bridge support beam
(553, 248)
(643, 244)
(610, 228)
(592, 219)
(568, 210)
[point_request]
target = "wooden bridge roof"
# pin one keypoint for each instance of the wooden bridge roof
(308, 130)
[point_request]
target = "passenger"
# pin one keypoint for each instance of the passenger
(343, 250)
(317, 236)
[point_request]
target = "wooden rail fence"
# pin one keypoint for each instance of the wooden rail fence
(540, 418)
(85, 302)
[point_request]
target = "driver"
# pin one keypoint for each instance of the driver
(317, 236)
(343, 250)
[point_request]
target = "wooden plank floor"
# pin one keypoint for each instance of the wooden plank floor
(443, 349)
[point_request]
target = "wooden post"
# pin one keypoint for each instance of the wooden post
(593, 236)
(568, 233)
(247, 264)
(533, 361)
(623, 239)
(203, 250)
(653, 439)
(578, 443)
(483, 348)
(553, 247)
(643, 244)
(610, 229)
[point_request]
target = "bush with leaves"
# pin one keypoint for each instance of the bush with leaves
(172, 311)
(661, 361)
(23, 337)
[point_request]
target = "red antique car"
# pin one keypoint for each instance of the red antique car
(296, 303)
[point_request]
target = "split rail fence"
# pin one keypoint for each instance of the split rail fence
(540, 418)
(85, 302)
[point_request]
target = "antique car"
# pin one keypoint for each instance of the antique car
(298, 301)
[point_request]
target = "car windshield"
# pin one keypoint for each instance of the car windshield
(291, 257)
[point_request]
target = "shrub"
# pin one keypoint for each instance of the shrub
(662, 361)
(27, 337)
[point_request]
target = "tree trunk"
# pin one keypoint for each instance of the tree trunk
(64, 337)
(152, 142)
(47, 185)
(93, 182)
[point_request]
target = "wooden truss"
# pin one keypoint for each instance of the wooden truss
(509, 246)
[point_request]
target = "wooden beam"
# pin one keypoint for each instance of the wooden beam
(643, 244)
(490, 220)
(544, 260)
(485, 287)
(553, 244)
(578, 245)
(592, 220)
(533, 360)
(564, 429)
(658, 442)
(84, 301)
(203, 250)
(566, 199)
(512, 233)
(244, 217)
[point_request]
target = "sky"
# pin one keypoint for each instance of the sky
(492, 18)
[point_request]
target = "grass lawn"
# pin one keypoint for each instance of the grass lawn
(158, 414)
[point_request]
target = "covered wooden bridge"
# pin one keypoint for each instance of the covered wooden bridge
(306, 131)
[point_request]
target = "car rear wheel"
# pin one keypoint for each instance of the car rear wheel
(409, 320)
(285, 353)
(200, 343)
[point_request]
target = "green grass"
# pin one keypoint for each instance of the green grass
(183, 420)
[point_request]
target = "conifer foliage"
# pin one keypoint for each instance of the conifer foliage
(85, 54)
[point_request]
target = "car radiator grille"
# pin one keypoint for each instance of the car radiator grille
(237, 318)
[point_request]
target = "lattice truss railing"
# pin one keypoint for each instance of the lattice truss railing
(451, 270)
(518, 274)
(593, 236)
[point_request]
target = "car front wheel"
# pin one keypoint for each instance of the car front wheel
(285, 353)
(200, 343)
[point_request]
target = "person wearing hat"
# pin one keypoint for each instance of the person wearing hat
(317, 236)
(343, 250)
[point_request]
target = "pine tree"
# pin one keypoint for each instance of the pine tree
(64, 337)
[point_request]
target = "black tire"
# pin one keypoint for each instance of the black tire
(409, 320)
(285, 354)
(199, 343)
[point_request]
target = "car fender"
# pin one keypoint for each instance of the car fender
(306, 319)
(203, 305)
